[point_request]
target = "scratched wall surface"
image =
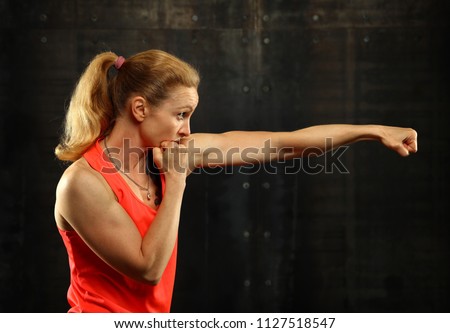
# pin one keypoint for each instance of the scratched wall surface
(356, 230)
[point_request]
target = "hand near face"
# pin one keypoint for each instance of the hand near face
(171, 158)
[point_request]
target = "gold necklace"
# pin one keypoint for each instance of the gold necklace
(149, 196)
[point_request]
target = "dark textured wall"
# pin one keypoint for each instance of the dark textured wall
(373, 239)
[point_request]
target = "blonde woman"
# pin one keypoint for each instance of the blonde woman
(127, 136)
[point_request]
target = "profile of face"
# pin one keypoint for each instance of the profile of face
(170, 120)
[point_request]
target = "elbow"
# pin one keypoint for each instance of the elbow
(151, 271)
(150, 276)
(153, 281)
(153, 277)
(145, 271)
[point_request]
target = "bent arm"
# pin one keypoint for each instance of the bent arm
(239, 147)
(90, 208)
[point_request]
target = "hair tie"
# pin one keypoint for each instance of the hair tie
(119, 62)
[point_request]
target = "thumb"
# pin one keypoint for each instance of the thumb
(398, 147)
(402, 150)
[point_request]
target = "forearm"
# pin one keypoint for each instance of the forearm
(322, 138)
(325, 137)
(160, 239)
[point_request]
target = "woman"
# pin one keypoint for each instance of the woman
(118, 204)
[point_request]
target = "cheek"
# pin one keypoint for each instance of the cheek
(163, 131)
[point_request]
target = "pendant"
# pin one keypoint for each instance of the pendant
(149, 196)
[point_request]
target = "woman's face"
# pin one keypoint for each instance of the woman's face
(170, 121)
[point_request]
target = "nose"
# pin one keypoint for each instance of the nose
(185, 130)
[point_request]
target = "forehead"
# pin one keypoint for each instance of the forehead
(181, 95)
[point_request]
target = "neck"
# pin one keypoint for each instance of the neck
(127, 150)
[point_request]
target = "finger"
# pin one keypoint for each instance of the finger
(165, 144)
(403, 151)
(169, 144)
(412, 147)
(411, 142)
(399, 148)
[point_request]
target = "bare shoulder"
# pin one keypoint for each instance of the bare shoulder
(79, 186)
(80, 176)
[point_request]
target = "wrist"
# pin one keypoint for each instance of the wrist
(373, 132)
(175, 183)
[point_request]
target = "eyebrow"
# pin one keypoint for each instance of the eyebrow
(185, 107)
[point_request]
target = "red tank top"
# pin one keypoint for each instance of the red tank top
(94, 285)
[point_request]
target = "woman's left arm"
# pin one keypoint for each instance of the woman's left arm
(241, 147)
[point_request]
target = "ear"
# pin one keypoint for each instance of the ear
(139, 108)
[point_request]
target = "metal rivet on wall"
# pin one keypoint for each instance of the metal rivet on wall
(366, 39)
(267, 234)
(194, 18)
(266, 18)
(266, 40)
(246, 234)
(316, 18)
(44, 39)
(247, 283)
(43, 17)
(94, 18)
(265, 88)
(268, 283)
(245, 89)
(246, 185)
(266, 185)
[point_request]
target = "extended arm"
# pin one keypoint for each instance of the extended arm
(238, 147)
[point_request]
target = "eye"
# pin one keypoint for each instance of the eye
(181, 115)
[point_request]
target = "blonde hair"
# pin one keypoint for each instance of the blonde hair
(98, 98)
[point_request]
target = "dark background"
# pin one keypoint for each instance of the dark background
(375, 239)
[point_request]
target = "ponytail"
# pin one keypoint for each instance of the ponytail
(97, 100)
(90, 111)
